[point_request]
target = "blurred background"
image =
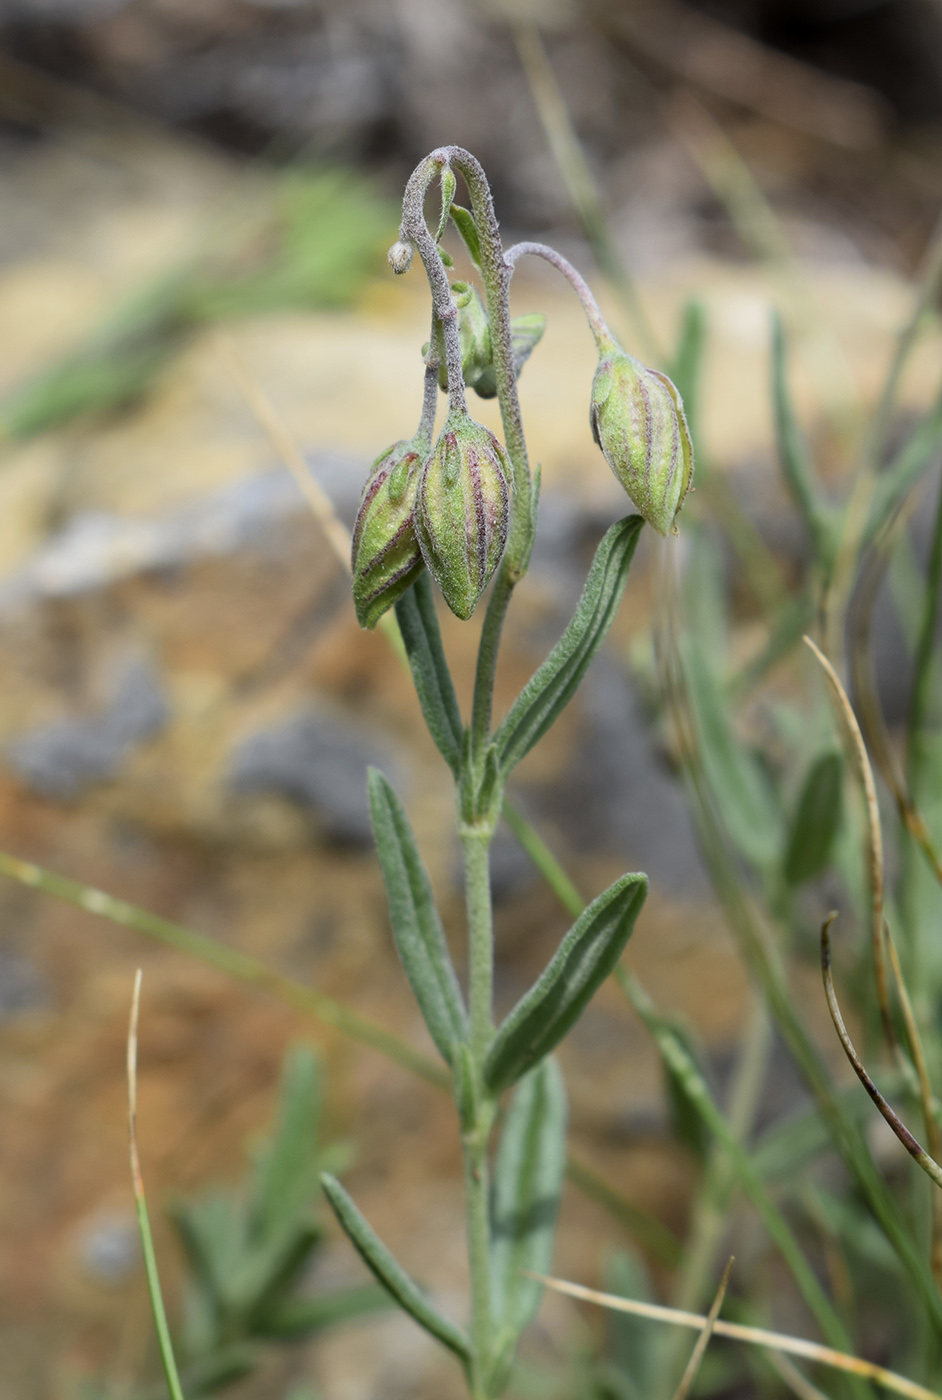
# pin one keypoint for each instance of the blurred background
(196, 197)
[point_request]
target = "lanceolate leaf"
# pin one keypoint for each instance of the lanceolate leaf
(390, 1273)
(418, 623)
(817, 819)
(417, 928)
(742, 791)
(687, 365)
(528, 1178)
(580, 965)
(901, 474)
(794, 457)
(541, 701)
(464, 222)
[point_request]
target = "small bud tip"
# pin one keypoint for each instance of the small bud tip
(400, 257)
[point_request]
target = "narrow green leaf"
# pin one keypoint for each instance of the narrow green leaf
(549, 691)
(300, 1317)
(580, 965)
(795, 458)
(284, 1179)
(742, 790)
(449, 184)
(690, 1078)
(687, 365)
(390, 1273)
(422, 638)
(528, 1179)
(817, 819)
(901, 474)
(417, 928)
(463, 220)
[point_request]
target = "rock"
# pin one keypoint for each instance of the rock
(319, 762)
(109, 1248)
(62, 759)
(22, 987)
(616, 797)
(96, 549)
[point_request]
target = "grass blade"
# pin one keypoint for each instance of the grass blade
(140, 1202)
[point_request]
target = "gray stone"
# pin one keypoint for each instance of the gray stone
(22, 987)
(62, 759)
(616, 797)
(109, 1248)
(96, 549)
(319, 762)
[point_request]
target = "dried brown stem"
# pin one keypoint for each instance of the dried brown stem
(913, 1147)
(874, 835)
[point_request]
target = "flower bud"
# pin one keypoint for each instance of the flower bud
(400, 257)
(386, 557)
(637, 419)
(463, 510)
(474, 332)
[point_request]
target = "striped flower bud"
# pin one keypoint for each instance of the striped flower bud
(386, 556)
(637, 419)
(463, 510)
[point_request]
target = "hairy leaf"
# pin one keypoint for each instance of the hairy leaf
(417, 928)
(463, 220)
(549, 691)
(422, 638)
(528, 1178)
(583, 960)
(390, 1273)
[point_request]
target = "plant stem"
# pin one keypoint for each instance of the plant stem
(496, 274)
(415, 230)
(476, 841)
(603, 336)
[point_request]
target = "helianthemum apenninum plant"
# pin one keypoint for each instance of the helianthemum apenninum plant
(461, 509)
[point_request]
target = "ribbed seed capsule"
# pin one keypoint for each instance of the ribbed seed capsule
(386, 556)
(637, 419)
(463, 511)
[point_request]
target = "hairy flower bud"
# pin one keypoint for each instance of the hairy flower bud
(463, 510)
(477, 353)
(386, 557)
(400, 257)
(637, 419)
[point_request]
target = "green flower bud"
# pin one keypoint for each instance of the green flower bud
(477, 356)
(637, 419)
(386, 557)
(463, 510)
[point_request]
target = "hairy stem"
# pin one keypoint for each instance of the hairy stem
(603, 336)
(476, 842)
(414, 229)
(496, 274)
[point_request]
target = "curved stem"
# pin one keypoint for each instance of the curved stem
(496, 275)
(603, 336)
(414, 229)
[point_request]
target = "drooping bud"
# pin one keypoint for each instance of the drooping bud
(637, 419)
(386, 556)
(477, 354)
(400, 257)
(474, 332)
(463, 510)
